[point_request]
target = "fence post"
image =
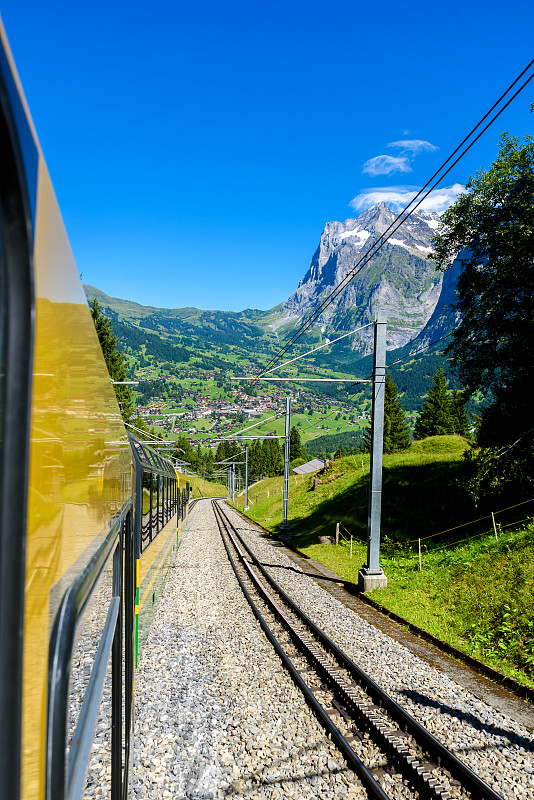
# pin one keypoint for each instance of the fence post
(337, 532)
(351, 545)
(494, 526)
(420, 567)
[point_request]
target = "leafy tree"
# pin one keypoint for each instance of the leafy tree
(114, 359)
(340, 452)
(492, 229)
(435, 418)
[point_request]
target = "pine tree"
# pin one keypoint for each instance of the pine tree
(114, 360)
(266, 466)
(222, 451)
(295, 446)
(436, 417)
(277, 457)
(460, 420)
(254, 459)
(340, 452)
(396, 431)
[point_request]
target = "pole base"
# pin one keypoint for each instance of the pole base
(367, 581)
(246, 508)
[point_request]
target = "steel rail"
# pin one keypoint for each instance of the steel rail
(341, 742)
(469, 779)
(392, 748)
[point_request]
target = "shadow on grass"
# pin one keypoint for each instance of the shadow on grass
(417, 500)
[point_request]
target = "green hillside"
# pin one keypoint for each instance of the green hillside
(187, 360)
(473, 591)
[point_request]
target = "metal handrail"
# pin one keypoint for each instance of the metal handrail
(156, 521)
(61, 646)
(83, 736)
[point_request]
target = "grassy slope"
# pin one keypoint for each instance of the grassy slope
(476, 594)
(211, 489)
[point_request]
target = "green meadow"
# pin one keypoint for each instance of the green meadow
(473, 586)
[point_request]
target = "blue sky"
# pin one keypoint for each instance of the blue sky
(197, 149)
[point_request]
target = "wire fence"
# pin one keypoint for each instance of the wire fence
(405, 548)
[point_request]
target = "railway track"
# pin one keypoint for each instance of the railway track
(392, 754)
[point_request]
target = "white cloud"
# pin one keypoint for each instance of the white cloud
(414, 146)
(385, 165)
(397, 197)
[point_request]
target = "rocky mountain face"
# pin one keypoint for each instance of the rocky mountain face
(399, 278)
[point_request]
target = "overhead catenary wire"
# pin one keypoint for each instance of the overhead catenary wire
(412, 353)
(403, 215)
(420, 350)
(412, 206)
(353, 382)
(145, 433)
(315, 349)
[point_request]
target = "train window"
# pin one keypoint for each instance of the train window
(89, 631)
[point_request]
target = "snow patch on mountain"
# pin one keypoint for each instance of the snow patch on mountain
(399, 277)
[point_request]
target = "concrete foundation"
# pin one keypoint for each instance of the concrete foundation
(367, 581)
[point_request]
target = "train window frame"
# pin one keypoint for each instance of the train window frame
(66, 782)
(149, 461)
(18, 168)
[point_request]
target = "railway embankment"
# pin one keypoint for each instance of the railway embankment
(216, 715)
(453, 569)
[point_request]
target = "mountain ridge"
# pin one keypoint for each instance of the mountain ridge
(399, 279)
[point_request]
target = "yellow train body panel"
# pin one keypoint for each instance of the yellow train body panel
(153, 567)
(79, 477)
(74, 510)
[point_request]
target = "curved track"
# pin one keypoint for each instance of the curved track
(386, 747)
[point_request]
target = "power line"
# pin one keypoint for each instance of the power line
(420, 350)
(404, 214)
(399, 220)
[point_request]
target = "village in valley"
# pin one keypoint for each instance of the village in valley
(207, 406)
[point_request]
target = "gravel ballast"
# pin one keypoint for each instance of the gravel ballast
(217, 716)
(498, 749)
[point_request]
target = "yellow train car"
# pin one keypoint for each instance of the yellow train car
(161, 496)
(71, 520)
